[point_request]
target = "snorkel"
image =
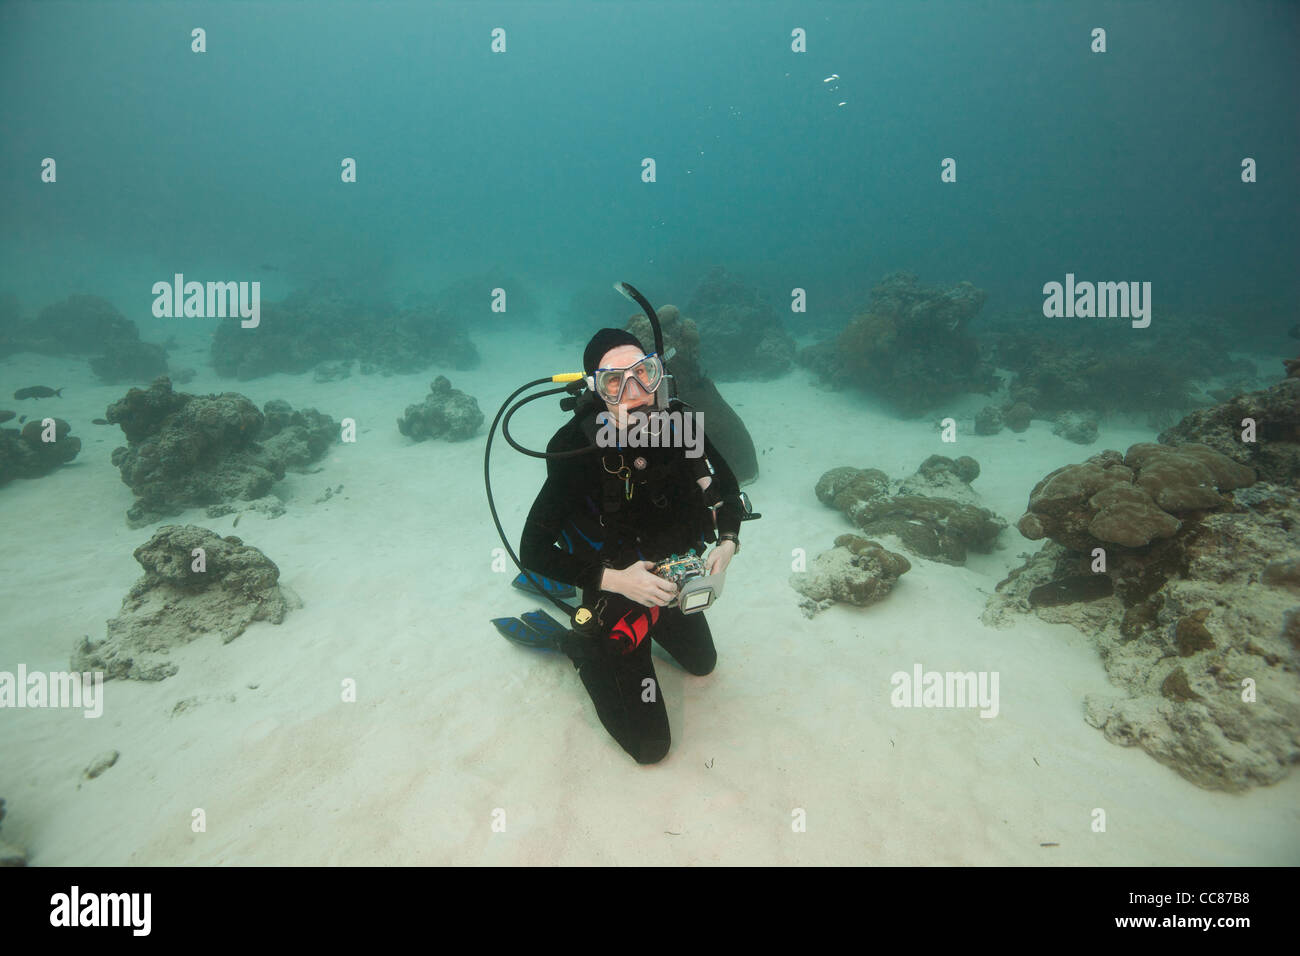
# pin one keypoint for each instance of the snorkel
(664, 393)
(575, 383)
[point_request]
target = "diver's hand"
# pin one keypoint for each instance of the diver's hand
(720, 556)
(637, 582)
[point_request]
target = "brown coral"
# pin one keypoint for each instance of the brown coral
(856, 571)
(839, 487)
(1130, 501)
(1187, 477)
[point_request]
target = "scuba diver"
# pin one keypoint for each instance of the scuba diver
(626, 522)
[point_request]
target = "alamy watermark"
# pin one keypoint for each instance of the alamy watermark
(212, 300)
(1102, 300)
(923, 688)
(75, 908)
(654, 429)
(84, 690)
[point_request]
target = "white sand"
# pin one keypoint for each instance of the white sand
(453, 723)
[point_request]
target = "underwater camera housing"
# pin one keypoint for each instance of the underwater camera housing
(696, 588)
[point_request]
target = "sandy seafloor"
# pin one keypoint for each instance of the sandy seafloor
(452, 723)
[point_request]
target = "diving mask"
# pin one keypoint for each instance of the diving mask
(611, 383)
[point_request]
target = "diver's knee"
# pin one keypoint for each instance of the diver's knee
(651, 751)
(704, 666)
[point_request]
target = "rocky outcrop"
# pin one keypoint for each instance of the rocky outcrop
(1184, 571)
(741, 333)
(295, 438)
(911, 347)
(1018, 416)
(933, 512)
(36, 449)
(1273, 450)
(943, 477)
(126, 362)
(1097, 371)
(1075, 428)
(90, 325)
(324, 324)
(189, 450)
(195, 583)
(856, 571)
(1129, 499)
(989, 420)
(446, 413)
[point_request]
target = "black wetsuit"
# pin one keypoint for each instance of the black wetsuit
(587, 508)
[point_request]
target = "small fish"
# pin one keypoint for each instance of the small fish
(268, 268)
(37, 391)
(100, 421)
(6, 415)
(21, 419)
(832, 77)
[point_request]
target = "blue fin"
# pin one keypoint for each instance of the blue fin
(536, 584)
(535, 629)
(543, 623)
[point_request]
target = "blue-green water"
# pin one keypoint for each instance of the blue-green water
(813, 150)
(1123, 164)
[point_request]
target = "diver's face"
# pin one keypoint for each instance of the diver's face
(634, 395)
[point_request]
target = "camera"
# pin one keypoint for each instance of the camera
(696, 588)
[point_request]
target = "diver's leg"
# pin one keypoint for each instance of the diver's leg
(688, 639)
(630, 709)
(625, 689)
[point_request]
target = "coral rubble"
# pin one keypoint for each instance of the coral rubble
(195, 582)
